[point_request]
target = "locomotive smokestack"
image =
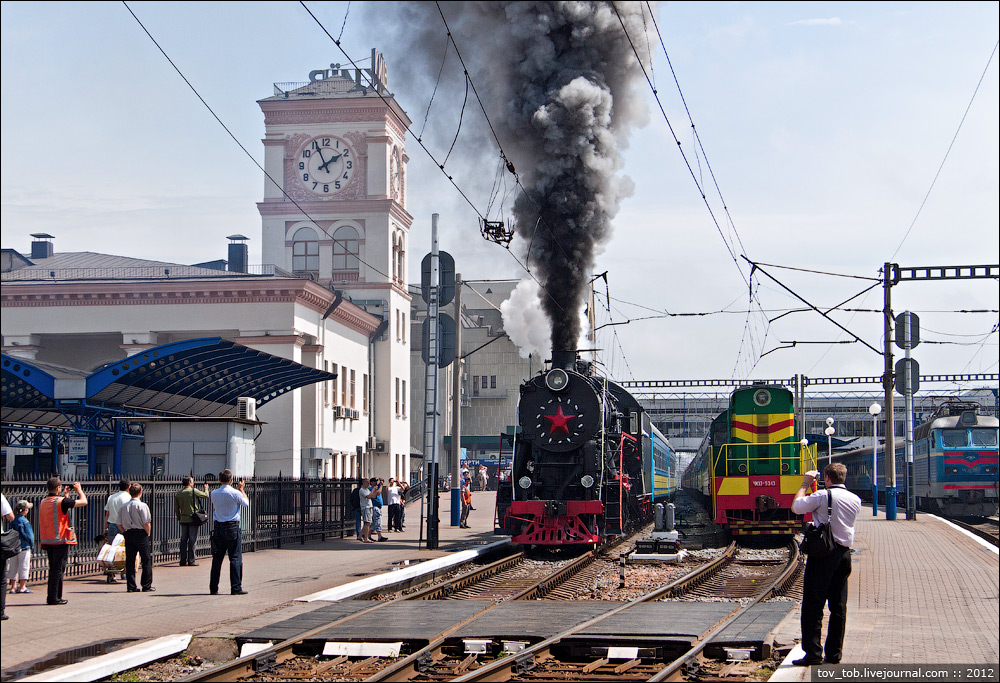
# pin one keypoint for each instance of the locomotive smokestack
(564, 359)
(564, 91)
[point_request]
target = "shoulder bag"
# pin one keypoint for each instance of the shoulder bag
(198, 514)
(818, 541)
(11, 543)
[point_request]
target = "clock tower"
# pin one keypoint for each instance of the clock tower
(334, 211)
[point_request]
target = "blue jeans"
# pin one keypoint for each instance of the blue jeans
(227, 539)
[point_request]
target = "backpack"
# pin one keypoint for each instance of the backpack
(356, 499)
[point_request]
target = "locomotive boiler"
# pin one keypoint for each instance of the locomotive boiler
(587, 463)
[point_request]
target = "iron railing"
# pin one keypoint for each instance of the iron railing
(282, 512)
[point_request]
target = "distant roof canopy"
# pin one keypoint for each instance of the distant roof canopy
(196, 378)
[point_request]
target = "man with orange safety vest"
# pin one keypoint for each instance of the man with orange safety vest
(56, 533)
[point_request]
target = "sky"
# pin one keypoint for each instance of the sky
(840, 135)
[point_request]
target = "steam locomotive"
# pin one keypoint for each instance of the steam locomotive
(587, 465)
(955, 463)
(751, 463)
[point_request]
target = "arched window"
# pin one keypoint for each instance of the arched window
(395, 257)
(345, 249)
(305, 251)
(400, 265)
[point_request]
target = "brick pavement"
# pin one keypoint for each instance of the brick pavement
(920, 592)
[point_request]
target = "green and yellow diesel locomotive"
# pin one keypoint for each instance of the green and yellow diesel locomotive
(751, 463)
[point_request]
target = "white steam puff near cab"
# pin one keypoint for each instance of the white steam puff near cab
(526, 324)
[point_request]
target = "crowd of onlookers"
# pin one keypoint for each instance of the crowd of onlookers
(367, 500)
(128, 521)
(127, 528)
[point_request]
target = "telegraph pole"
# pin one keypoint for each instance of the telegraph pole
(889, 274)
(456, 411)
(431, 391)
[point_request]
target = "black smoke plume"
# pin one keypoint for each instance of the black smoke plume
(559, 83)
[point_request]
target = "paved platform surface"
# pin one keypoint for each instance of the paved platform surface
(98, 612)
(921, 592)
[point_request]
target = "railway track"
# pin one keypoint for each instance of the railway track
(735, 575)
(565, 655)
(510, 578)
(988, 529)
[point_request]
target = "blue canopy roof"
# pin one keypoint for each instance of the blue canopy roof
(197, 377)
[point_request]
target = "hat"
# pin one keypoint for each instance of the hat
(24, 505)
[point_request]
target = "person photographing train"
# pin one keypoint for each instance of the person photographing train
(825, 578)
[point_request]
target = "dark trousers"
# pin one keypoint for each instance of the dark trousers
(137, 543)
(825, 582)
(189, 536)
(3, 590)
(58, 556)
(465, 514)
(395, 517)
(227, 539)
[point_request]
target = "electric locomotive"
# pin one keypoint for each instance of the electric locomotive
(751, 463)
(955, 463)
(587, 464)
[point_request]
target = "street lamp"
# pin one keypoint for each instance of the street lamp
(804, 445)
(874, 409)
(829, 431)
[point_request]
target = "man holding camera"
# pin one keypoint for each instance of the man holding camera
(227, 538)
(825, 580)
(56, 534)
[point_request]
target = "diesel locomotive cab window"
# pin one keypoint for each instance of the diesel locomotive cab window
(984, 437)
(954, 438)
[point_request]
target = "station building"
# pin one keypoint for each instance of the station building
(331, 294)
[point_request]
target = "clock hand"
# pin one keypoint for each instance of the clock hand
(326, 164)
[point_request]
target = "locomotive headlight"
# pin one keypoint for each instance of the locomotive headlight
(524, 482)
(557, 379)
(587, 481)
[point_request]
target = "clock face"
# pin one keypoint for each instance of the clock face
(325, 165)
(396, 174)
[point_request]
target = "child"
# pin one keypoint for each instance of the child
(20, 564)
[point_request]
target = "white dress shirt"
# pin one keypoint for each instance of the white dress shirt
(846, 506)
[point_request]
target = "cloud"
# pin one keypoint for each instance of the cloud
(832, 21)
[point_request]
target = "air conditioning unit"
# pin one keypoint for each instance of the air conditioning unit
(338, 412)
(372, 443)
(380, 446)
(246, 408)
(355, 414)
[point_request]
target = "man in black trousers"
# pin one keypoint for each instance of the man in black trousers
(825, 579)
(136, 522)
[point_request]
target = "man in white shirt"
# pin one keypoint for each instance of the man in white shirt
(111, 508)
(825, 578)
(366, 494)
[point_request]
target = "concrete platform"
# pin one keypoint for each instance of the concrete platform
(276, 579)
(920, 592)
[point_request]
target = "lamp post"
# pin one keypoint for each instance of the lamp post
(804, 446)
(874, 409)
(829, 431)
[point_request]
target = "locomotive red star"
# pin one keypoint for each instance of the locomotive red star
(559, 421)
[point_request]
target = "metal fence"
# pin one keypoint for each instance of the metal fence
(282, 512)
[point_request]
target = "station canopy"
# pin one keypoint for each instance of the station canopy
(192, 378)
